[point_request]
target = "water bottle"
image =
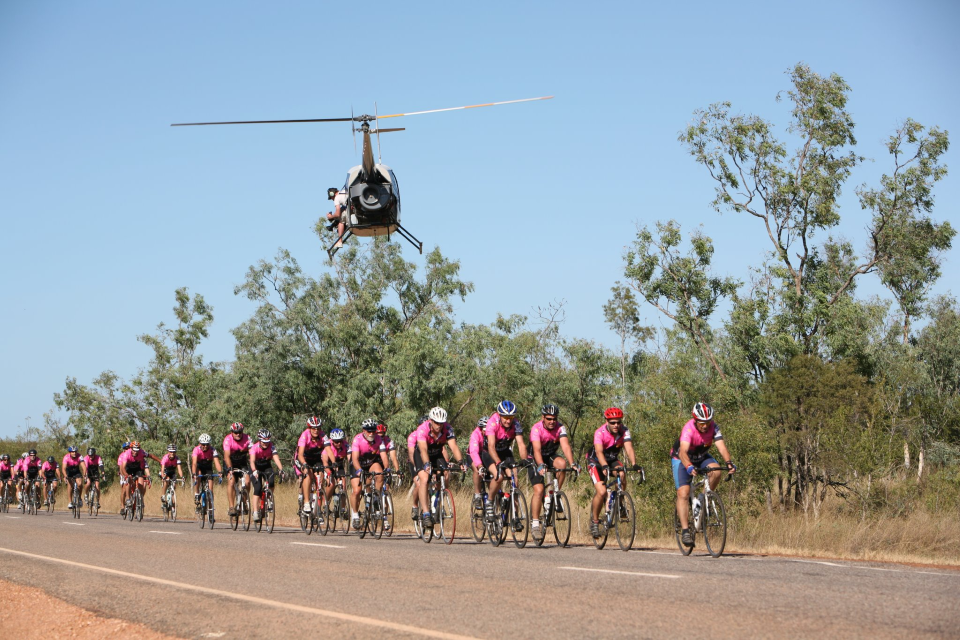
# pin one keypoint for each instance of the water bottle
(547, 503)
(696, 514)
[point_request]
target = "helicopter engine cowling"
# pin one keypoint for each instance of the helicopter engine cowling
(372, 197)
(374, 201)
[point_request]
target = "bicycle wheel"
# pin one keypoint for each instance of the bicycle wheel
(427, 532)
(210, 514)
(678, 532)
(388, 514)
(496, 528)
(90, 502)
(271, 513)
(447, 514)
(344, 514)
(165, 508)
(50, 501)
(139, 511)
(172, 503)
(714, 518)
(562, 524)
(601, 542)
(625, 521)
(246, 515)
(235, 518)
(77, 500)
(478, 525)
(260, 501)
(545, 516)
(375, 520)
(519, 520)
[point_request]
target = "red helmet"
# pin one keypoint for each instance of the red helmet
(236, 427)
(381, 429)
(135, 445)
(613, 413)
(314, 422)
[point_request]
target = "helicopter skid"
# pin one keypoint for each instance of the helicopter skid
(365, 231)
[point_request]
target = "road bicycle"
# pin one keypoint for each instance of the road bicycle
(707, 515)
(371, 517)
(204, 506)
(93, 497)
(478, 521)
(135, 502)
(556, 513)
(169, 503)
(6, 497)
(30, 497)
(619, 514)
(441, 505)
(510, 511)
(337, 509)
(51, 494)
(310, 522)
(265, 503)
(77, 496)
(386, 498)
(241, 503)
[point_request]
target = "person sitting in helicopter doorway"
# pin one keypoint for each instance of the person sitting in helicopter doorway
(339, 197)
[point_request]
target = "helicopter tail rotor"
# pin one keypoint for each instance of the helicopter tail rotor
(353, 129)
(377, 120)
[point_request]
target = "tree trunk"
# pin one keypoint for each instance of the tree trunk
(906, 454)
(920, 463)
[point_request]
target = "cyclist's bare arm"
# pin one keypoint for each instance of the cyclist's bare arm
(384, 460)
(521, 447)
(567, 451)
(396, 463)
(537, 455)
(631, 455)
(179, 471)
(492, 448)
(455, 448)
(276, 461)
(300, 457)
(422, 446)
(722, 448)
(684, 455)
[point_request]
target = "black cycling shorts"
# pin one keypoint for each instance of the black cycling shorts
(434, 462)
(169, 473)
(536, 478)
(487, 459)
(73, 472)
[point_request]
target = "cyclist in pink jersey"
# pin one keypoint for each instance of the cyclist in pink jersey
(369, 455)
(169, 466)
(133, 468)
(6, 472)
(309, 455)
(411, 449)
(50, 471)
(546, 437)
(335, 455)
(390, 447)
(502, 431)
(432, 436)
(236, 451)
(691, 455)
(262, 454)
(94, 473)
(202, 461)
(474, 449)
(72, 467)
(612, 437)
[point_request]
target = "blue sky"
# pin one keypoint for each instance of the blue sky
(106, 210)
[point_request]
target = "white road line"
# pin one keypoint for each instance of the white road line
(626, 573)
(660, 553)
(76, 524)
(346, 617)
(14, 517)
(169, 533)
(829, 564)
(881, 569)
(318, 544)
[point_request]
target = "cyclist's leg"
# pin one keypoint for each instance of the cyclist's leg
(600, 491)
(560, 466)
(306, 484)
(681, 480)
(231, 490)
(355, 493)
(423, 479)
(714, 472)
(376, 467)
(494, 485)
(536, 481)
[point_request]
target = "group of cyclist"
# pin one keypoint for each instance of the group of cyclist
(321, 460)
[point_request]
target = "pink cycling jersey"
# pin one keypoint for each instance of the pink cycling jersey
(5, 467)
(388, 443)
(611, 444)
(368, 450)
(49, 468)
(204, 456)
(31, 465)
(412, 440)
(233, 448)
(93, 462)
(308, 442)
(339, 449)
(504, 437)
(128, 456)
(700, 443)
(70, 461)
(262, 455)
(476, 446)
(549, 439)
(170, 460)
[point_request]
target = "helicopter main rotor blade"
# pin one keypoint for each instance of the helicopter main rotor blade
(472, 106)
(196, 124)
(389, 130)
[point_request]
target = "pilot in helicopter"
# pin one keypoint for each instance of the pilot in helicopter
(339, 197)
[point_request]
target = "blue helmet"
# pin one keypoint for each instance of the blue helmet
(337, 434)
(507, 408)
(71, 449)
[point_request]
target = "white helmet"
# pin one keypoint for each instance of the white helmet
(205, 438)
(438, 414)
(702, 411)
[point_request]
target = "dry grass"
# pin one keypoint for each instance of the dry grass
(920, 537)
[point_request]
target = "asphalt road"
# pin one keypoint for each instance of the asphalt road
(195, 583)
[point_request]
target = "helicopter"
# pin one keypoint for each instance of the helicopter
(371, 188)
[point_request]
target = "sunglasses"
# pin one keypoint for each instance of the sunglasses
(549, 419)
(615, 422)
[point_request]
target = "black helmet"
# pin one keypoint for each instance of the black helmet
(32, 452)
(91, 451)
(550, 410)
(51, 460)
(332, 193)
